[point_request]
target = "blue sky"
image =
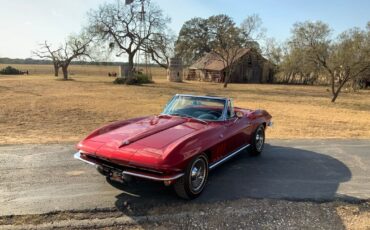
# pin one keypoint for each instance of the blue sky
(25, 23)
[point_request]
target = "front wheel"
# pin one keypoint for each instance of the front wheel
(258, 141)
(191, 185)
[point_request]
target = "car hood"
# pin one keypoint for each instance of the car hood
(151, 134)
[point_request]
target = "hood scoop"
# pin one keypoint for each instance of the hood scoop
(152, 130)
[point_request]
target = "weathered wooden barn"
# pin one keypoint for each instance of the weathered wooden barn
(250, 67)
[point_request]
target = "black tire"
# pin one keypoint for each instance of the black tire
(258, 141)
(115, 184)
(101, 170)
(184, 186)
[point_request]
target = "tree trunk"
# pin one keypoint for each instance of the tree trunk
(225, 83)
(336, 92)
(334, 97)
(56, 70)
(302, 77)
(355, 85)
(227, 78)
(65, 72)
(289, 77)
(131, 65)
(333, 85)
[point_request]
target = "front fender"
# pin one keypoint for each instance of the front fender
(182, 151)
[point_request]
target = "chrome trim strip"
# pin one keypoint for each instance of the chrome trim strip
(224, 111)
(78, 156)
(151, 177)
(209, 97)
(228, 157)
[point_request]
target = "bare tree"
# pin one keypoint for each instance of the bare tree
(46, 52)
(161, 48)
(195, 36)
(127, 28)
(350, 58)
(296, 66)
(75, 47)
(273, 51)
(225, 41)
(343, 60)
(219, 34)
(253, 31)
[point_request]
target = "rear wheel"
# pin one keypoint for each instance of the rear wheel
(258, 141)
(191, 185)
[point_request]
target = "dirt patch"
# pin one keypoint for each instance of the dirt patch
(355, 216)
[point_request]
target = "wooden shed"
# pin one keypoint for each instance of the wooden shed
(250, 67)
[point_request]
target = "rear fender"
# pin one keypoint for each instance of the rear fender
(259, 117)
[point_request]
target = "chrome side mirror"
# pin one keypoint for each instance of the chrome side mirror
(239, 114)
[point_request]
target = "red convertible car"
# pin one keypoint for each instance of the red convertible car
(193, 135)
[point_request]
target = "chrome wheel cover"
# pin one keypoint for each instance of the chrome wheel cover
(260, 139)
(198, 175)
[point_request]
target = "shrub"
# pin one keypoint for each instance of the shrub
(119, 80)
(137, 79)
(10, 71)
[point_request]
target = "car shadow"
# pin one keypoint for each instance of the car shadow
(279, 173)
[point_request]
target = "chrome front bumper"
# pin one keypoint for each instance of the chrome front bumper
(132, 172)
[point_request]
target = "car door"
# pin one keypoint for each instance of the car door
(235, 133)
(227, 135)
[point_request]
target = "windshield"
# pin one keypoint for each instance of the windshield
(202, 108)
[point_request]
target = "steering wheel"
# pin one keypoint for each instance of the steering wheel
(215, 113)
(208, 116)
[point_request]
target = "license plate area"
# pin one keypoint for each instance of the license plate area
(116, 175)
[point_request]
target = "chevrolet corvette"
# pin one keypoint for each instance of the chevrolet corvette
(178, 147)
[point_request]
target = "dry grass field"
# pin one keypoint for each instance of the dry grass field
(41, 109)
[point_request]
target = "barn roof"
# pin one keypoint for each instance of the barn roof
(211, 61)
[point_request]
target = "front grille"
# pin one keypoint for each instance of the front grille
(109, 164)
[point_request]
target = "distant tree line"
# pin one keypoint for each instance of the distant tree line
(32, 61)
